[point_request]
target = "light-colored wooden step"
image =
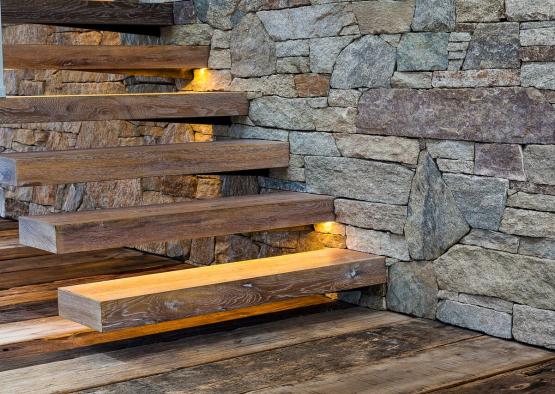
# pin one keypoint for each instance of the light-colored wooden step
(84, 165)
(151, 299)
(34, 109)
(162, 60)
(102, 13)
(110, 228)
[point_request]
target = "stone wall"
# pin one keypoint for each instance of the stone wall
(431, 121)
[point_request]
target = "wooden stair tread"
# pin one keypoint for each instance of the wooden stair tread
(106, 228)
(86, 165)
(163, 60)
(10, 248)
(166, 106)
(97, 13)
(149, 299)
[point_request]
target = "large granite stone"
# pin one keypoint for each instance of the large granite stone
(534, 326)
(494, 45)
(492, 240)
(307, 22)
(324, 52)
(476, 78)
(423, 52)
(434, 15)
(412, 289)
(500, 160)
(315, 144)
(284, 113)
(538, 75)
(481, 200)
(371, 215)
(480, 10)
(379, 17)
(253, 53)
(459, 114)
(512, 277)
(537, 202)
(358, 179)
(530, 10)
(539, 247)
(541, 37)
(528, 223)
(396, 149)
(367, 62)
(489, 321)
(216, 13)
(377, 242)
(539, 164)
(434, 221)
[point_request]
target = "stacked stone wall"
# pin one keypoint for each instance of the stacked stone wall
(431, 121)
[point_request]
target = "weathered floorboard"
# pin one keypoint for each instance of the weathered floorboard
(36, 109)
(85, 165)
(150, 299)
(136, 60)
(109, 228)
(117, 366)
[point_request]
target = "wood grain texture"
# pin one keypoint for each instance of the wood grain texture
(115, 59)
(31, 109)
(10, 248)
(50, 339)
(93, 13)
(110, 228)
(111, 367)
(150, 299)
(83, 165)
(426, 371)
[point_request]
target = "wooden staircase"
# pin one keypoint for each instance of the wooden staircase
(84, 241)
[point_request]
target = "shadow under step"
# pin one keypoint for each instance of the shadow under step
(103, 164)
(162, 60)
(110, 228)
(150, 299)
(151, 106)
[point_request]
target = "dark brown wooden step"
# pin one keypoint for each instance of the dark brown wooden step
(10, 248)
(150, 299)
(107, 15)
(84, 165)
(110, 228)
(36, 109)
(162, 60)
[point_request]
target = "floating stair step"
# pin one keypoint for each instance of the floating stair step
(10, 248)
(108, 15)
(171, 61)
(150, 299)
(110, 228)
(85, 165)
(167, 106)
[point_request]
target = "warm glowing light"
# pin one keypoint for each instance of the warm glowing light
(329, 228)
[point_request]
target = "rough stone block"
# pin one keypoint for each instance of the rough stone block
(537, 202)
(312, 85)
(494, 45)
(343, 97)
(423, 52)
(538, 75)
(537, 54)
(370, 215)
(456, 166)
(530, 10)
(377, 242)
(489, 321)
(528, 223)
(544, 37)
(434, 221)
(316, 144)
(278, 112)
(307, 22)
(377, 17)
(500, 160)
(481, 200)
(487, 302)
(412, 289)
(292, 48)
(396, 149)
(434, 15)
(443, 114)
(454, 150)
(492, 240)
(534, 326)
(539, 164)
(476, 78)
(293, 65)
(368, 62)
(480, 10)
(358, 179)
(414, 80)
(539, 247)
(279, 85)
(324, 52)
(511, 277)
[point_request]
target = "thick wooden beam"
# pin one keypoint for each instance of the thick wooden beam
(10, 248)
(136, 60)
(36, 109)
(85, 165)
(110, 228)
(151, 299)
(97, 13)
